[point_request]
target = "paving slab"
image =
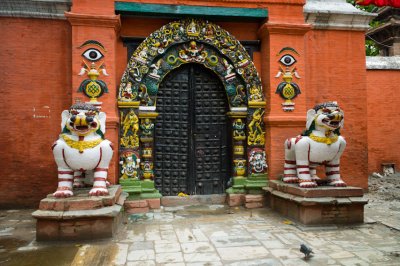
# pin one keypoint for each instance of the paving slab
(213, 236)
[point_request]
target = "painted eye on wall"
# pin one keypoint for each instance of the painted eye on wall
(92, 54)
(287, 60)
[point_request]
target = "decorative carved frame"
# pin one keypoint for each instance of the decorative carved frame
(194, 41)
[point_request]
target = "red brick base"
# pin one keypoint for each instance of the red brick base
(141, 206)
(318, 210)
(79, 217)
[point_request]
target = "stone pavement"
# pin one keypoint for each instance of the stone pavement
(204, 235)
(218, 235)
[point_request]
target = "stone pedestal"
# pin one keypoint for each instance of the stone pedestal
(316, 206)
(79, 217)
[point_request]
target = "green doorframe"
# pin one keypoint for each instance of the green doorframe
(180, 11)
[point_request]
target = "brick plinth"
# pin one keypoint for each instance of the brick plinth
(318, 210)
(254, 201)
(141, 206)
(322, 191)
(79, 217)
(234, 200)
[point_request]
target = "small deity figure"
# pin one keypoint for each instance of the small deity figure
(131, 121)
(192, 29)
(134, 141)
(147, 168)
(144, 96)
(240, 96)
(142, 55)
(127, 94)
(319, 145)
(81, 153)
(209, 32)
(129, 165)
(228, 67)
(238, 129)
(255, 94)
(239, 167)
(147, 127)
(256, 132)
(257, 161)
(155, 67)
(193, 53)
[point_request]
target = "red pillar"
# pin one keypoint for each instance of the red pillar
(281, 125)
(96, 20)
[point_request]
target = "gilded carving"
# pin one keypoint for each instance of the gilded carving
(256, 135)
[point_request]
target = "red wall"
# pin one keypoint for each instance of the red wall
(383, 103)
(336, 72)
(35, 55)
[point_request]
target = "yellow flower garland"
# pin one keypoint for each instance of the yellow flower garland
(326, 140)
(80, 145)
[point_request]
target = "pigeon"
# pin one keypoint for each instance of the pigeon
(306, 251)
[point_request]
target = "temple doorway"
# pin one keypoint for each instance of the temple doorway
(192, 151)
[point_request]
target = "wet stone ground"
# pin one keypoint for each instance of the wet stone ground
(213, 235)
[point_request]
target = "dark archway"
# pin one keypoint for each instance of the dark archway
(192, 152)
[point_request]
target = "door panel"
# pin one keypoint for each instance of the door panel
(192, 149)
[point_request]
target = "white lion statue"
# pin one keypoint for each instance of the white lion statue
(320, 144)
(81, 153)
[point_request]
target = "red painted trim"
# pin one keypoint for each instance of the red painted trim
(304, 172)
(290, 162)
(332, 165)
(65, 180)
(101, 169)
(65, 172)
(289, 168)
(289, 175)
(332, 172)
(101, 156)
(99, 179)
(65, 161)
(289, 144)
(303, 166)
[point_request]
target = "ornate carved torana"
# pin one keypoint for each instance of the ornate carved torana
(175, 44)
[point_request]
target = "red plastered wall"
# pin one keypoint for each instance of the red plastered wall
(35, 86)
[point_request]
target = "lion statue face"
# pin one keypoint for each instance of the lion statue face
(326, 115)
(83, 119)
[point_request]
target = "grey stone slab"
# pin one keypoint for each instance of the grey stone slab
(141, 245)
(141, 263)
(234, 241)
(141, 255)
(201, 257)
(121, 257)
(167, 247)
(242, 253)
(171, 257)
(111, 212)
(197, 247)
(285, 253)
(264, 262)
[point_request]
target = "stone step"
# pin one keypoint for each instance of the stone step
(193, 200)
